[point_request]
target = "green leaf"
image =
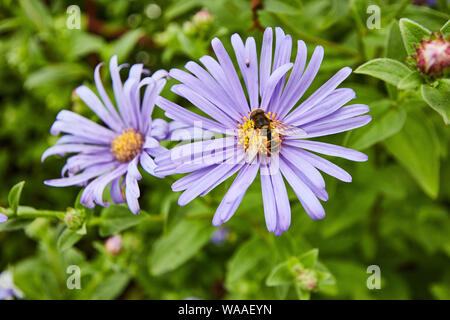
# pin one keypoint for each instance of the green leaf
(35, 279)
(309, 259)
(280, 275)
(350, 213)
(301, 293)
(280, 7)
(37, 12)
(386, 69)
(412, 33)
(181, 7)
(83, 43)
(118, 218)
(245, 258)
(394, 45)
(339, 9)
(111, 287)
(14, 224)
(446, 29)
(382, 127)
(181, 244)
(438, 98)
(416, 149)
(67, 239)
(410, 82)
(14, 196)
(55, 75)
(123, 46)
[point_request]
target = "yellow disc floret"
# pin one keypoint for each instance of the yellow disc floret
(256, 140)
(127, 146)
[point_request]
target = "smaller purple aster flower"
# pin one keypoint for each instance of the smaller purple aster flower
(265, 128)
(111, 154)
(8, 290)
(220, 235)
(3, 218)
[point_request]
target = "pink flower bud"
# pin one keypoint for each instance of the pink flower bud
(202, 17)
(113, 245)
(433, 56)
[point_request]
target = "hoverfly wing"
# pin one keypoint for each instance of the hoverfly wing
(290, 130)
(254, 144)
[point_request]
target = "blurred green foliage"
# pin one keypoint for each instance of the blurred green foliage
(395, 213)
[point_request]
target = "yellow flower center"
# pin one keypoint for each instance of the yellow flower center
(263, 140)
(127, 146)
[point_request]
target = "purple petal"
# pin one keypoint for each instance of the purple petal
(290, 98)
(82, 161)
(230, 73)
(3, 218)
(72, 148)
(309, 201)
(235, 169)
(266, 59)
(204, 183)
(176, 112)
(186, 181)
(248, 64)
(217, 72)
(271, 83)
(82, 177)
(319, 94)
(132, 192)
(329, 149)
(319, 192)
(282, 202)
(341, 114)
(203, 104)
(326, 166)
(283, 48)
(147, 163)
(82, 130)
(116, 191)
(329, 128)
(270, 209)
(327, 106)
(295, 76)
(93, 102)
(294, 156)
(148, 102)
(118, 91)
(235, 193)
(118, 123)
(209, 87)
(159, 130)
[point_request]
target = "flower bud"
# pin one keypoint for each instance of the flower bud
(432, 56)
(74, 218)
(113, 245)
(306, 279)
(202, 17)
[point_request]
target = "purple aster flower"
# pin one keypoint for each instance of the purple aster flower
(263, 131)
(220, 235)
(111, 154)
(8, 290)
(3, 218)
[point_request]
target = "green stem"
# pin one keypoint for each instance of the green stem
(30, 213)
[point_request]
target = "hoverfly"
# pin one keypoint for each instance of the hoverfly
(265, 138)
